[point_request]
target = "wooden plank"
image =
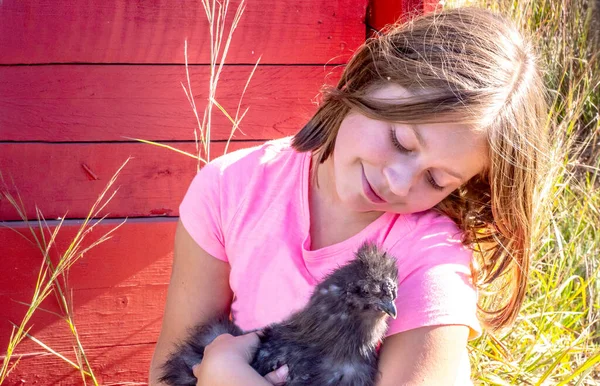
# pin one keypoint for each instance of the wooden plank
(119, 290)
(383, 12)
(116, 365)
(105, 103)
(118, 294)
(102, 316)
(64, 180)
(46, 31)
(139, 253)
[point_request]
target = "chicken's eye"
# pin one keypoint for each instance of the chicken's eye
(375, 289)
(361, 288)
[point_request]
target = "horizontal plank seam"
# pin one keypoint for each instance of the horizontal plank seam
(118, 286)
(132, 142)
(44, 353)
(78, 221)
(327, 64)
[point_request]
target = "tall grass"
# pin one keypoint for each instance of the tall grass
(216, 14)
(52, 277)
(556, 339)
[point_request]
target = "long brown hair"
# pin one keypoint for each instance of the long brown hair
(464, 65)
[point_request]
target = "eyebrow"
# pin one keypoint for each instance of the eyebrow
(421, 141)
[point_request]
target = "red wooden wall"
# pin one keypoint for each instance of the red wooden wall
(76, 80)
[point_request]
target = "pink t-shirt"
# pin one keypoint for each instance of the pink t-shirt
(250, 208)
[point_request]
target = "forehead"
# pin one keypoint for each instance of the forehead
(462, 144)
(394, 94)
(391, 92)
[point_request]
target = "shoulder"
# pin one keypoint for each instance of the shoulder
(221, 187)
(230, 180)
(430, 221)
(434, 275)
(244, 162)
(432, 237)
(232, 174)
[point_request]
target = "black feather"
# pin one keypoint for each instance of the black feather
(332, 341)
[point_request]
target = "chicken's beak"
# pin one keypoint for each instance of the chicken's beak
(389, 307)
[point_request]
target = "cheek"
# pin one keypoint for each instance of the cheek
(372, 151)
(421, 199)
(363, 138)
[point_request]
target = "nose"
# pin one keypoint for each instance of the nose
(400, 178)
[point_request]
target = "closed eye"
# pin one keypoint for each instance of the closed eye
(402, 149)
(396, 143)
(432, 182)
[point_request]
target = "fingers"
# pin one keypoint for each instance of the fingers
(242, 346)
(279, 376)
(250, 343)
(225, 351)
(196, 370)
(252, 338)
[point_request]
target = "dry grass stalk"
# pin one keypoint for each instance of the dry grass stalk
(52, 278)
(216, 13)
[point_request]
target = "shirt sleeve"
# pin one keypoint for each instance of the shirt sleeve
(435, 286)
(200, 211)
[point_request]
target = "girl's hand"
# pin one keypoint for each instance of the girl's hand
(226, 362)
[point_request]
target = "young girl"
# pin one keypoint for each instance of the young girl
(431, 145)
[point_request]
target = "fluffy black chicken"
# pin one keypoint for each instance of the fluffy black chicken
(332, 341)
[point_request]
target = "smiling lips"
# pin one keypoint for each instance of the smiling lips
(369, 191)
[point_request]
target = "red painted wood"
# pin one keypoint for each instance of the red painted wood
(432, 5)
(68, 178)
(119, 289)
(138, 254)
(290, 32)
(116, 365)
(383, 12)
(105, 103)
(103, 317)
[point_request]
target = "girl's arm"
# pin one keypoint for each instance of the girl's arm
(198, 290)
(423, 356)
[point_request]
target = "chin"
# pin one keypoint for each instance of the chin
(402, 209)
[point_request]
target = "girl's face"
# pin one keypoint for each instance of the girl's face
(401, 168)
